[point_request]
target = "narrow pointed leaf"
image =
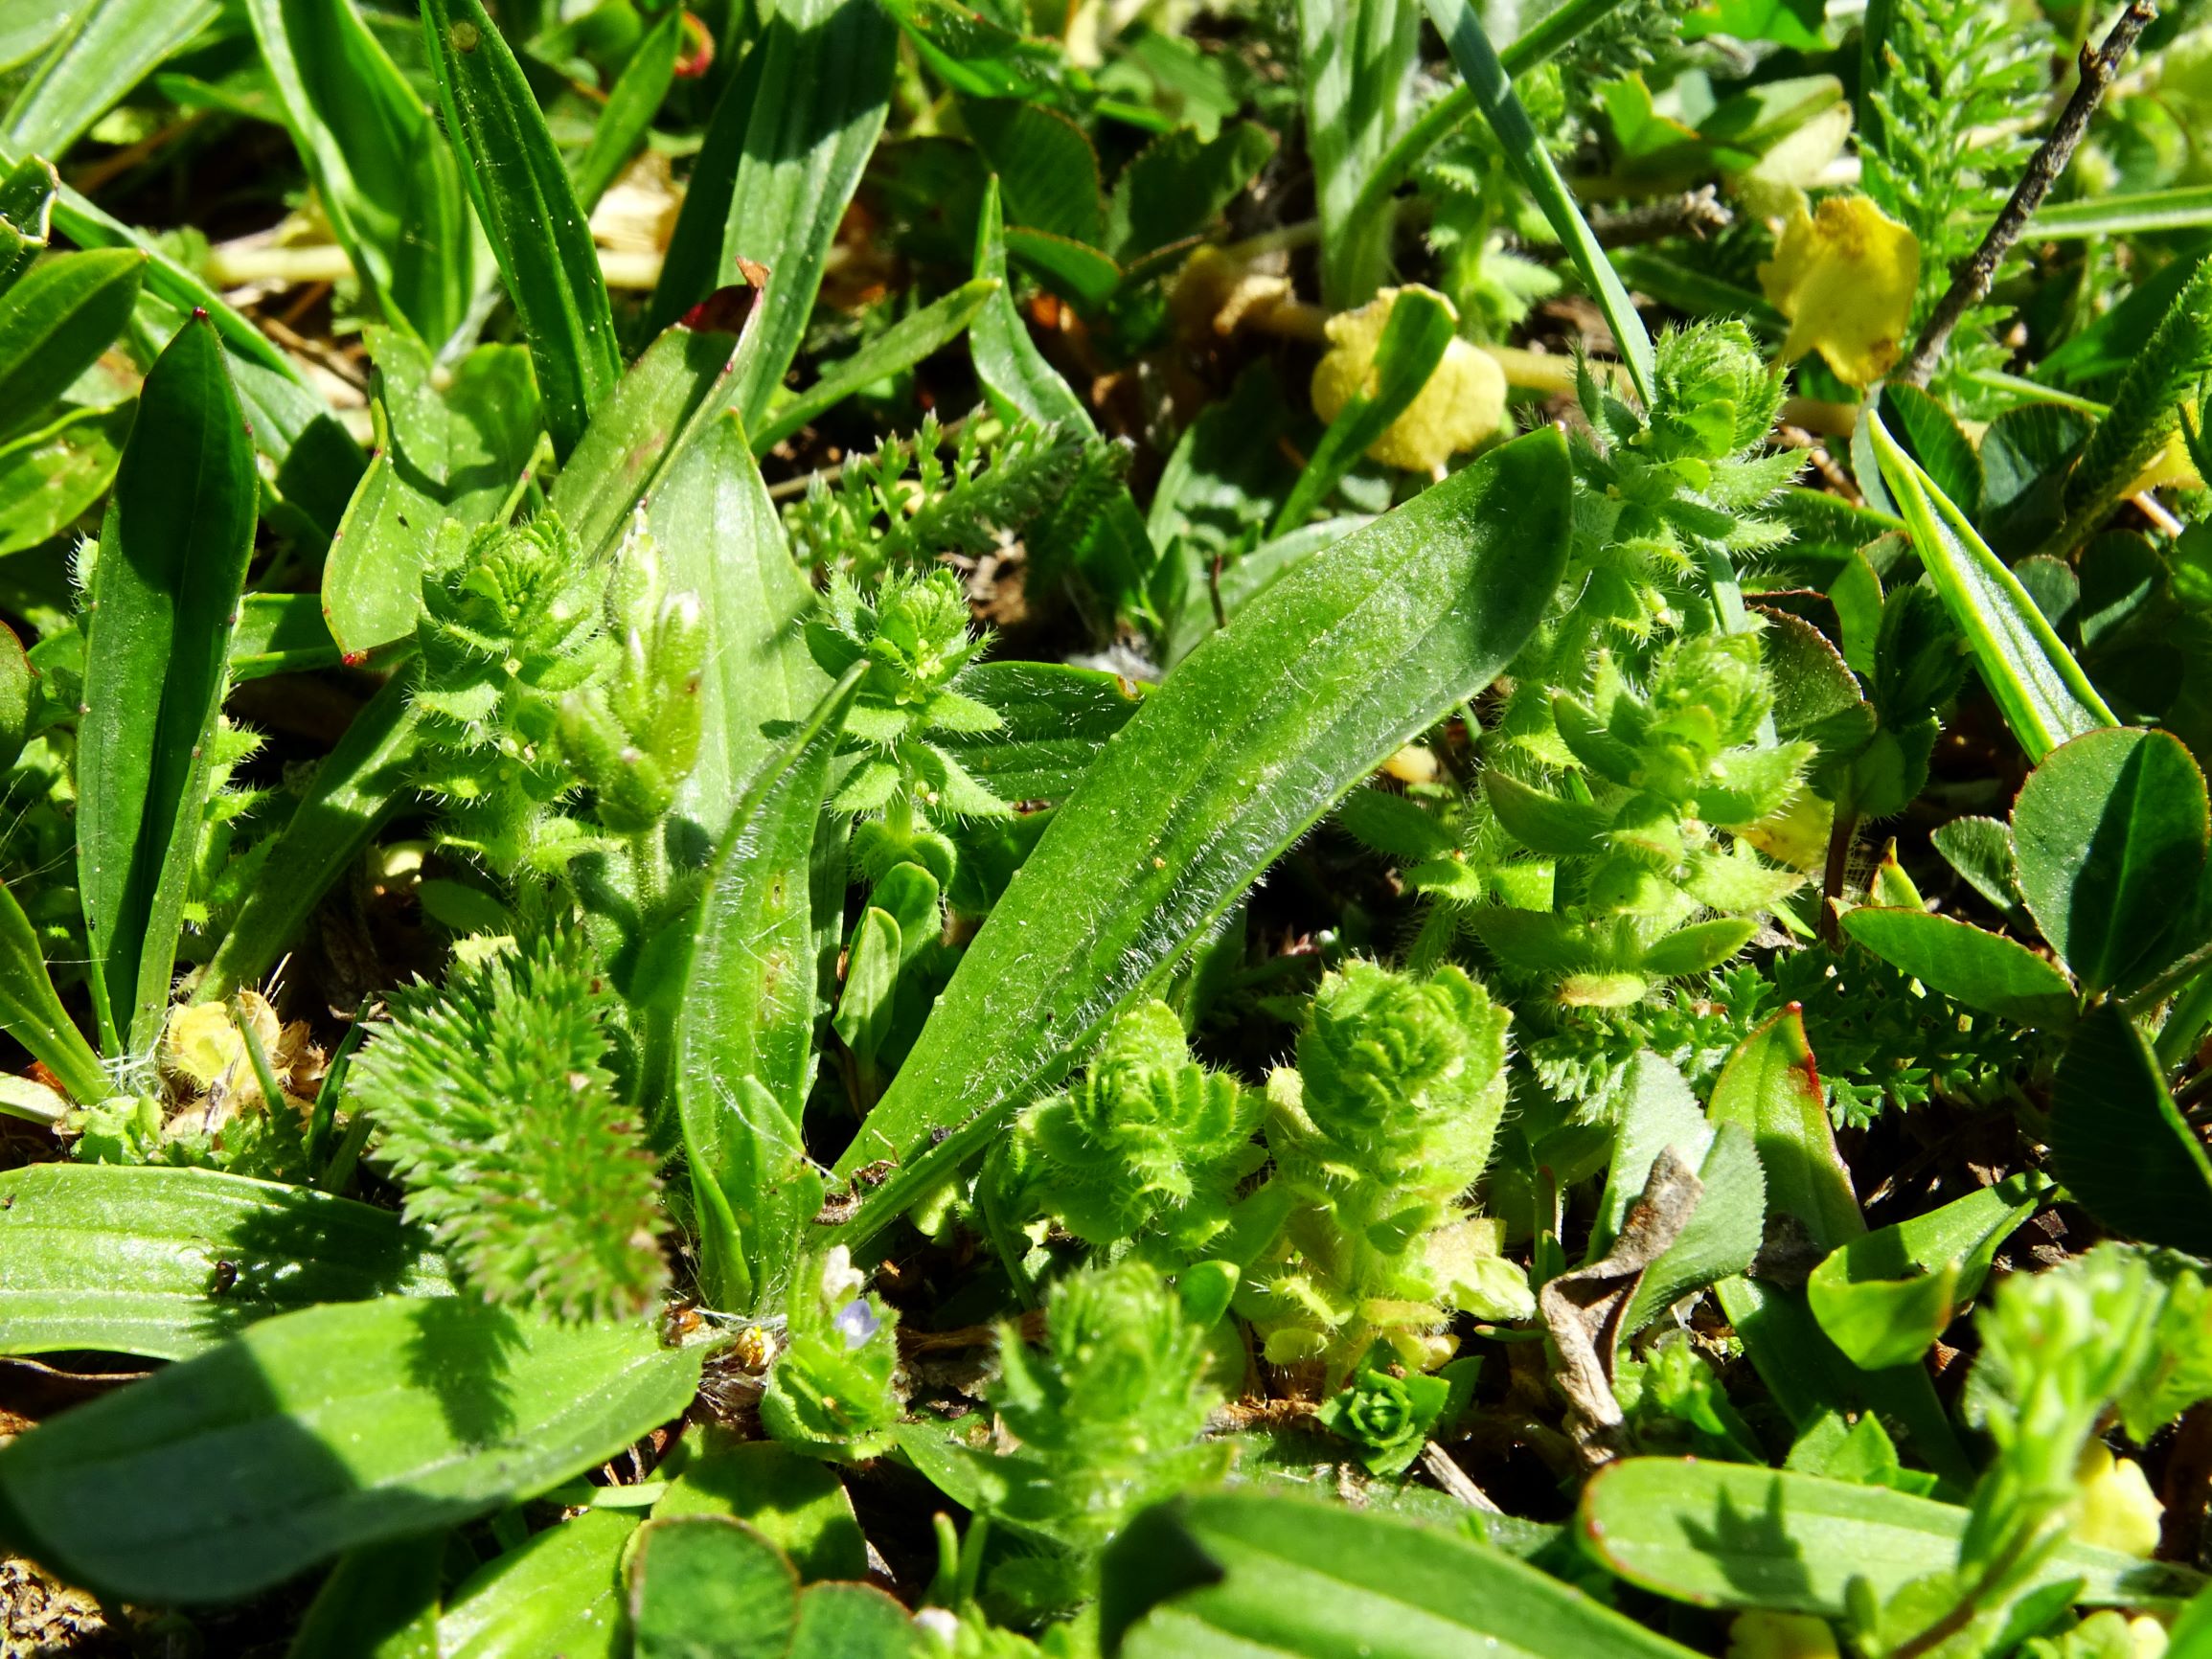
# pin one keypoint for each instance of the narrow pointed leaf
(33, 1014)
(2042, 691)
(1728, 1536)
(168, 1262)
(112, 48)
(54, 324)
(559, 1593)
(1516, 135)
(1257, 735)
(896, 350)
(1980, 968)
(321, 1430)
(165, 596)
(530, 213)
(746, 1028)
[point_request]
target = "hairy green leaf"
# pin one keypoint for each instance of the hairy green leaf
(165, 594)
(529, 212)
(318, 1431)
(1259, 733)
(168, 1262)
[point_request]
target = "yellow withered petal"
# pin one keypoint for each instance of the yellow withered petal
(1845, 277)
(1463, 403)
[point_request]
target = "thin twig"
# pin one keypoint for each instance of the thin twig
(1970, 283)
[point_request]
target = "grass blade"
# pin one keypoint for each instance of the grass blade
(2038, 686)
(529, 212)
(165, 592)
(2185, 208)
(1494, 95)
(33, 1014)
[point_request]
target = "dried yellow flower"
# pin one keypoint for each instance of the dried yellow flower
(1463, 403)
(1845, 277)
(2119, 1512)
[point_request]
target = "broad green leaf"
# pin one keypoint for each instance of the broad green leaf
(1258, 1575)
(559, 1593)
(33, 1014)
(111, 48)
(360, 783)
(1982, 969)
(2121, 1145)
(1771, 1087)
(1656, 1111)
(1981, 851)
(781, 159)
(454, 452)
(27, 192)
(1256, 735)
(2108, 834)
(281, 633)
(2039, 689)
(797, 1503)
(1731, 1535)
(380, 1602)
(745, 1022)
(898, 347)
(678, 383)
(1886, 1295)
(530, 213)
(710, 1587)
(1420, 327)
(856, 1621)
(164, 590)
(318, 1431)
(1048, 173)
(1056, 720)
(16, 681)
(863, 1017)
(630, 107)
(54, 326)
(1493, 94)
(167, 1263)
(1077, 271)
(720, 539)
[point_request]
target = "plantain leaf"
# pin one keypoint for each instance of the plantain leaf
(558, 1593)
(1259, 1574)
(719, 537)
(1055, 719)
(1256, 735)
(2039, 689)
(168, 1262)
(112, 46)
(318, 1431)
(2121, 1145)
(529, 212)
(165, 596)
(789, 139)
(747, 1019)
(1730, 1536)
(54, 324)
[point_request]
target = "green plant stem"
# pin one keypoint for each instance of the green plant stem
(1447, 114)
